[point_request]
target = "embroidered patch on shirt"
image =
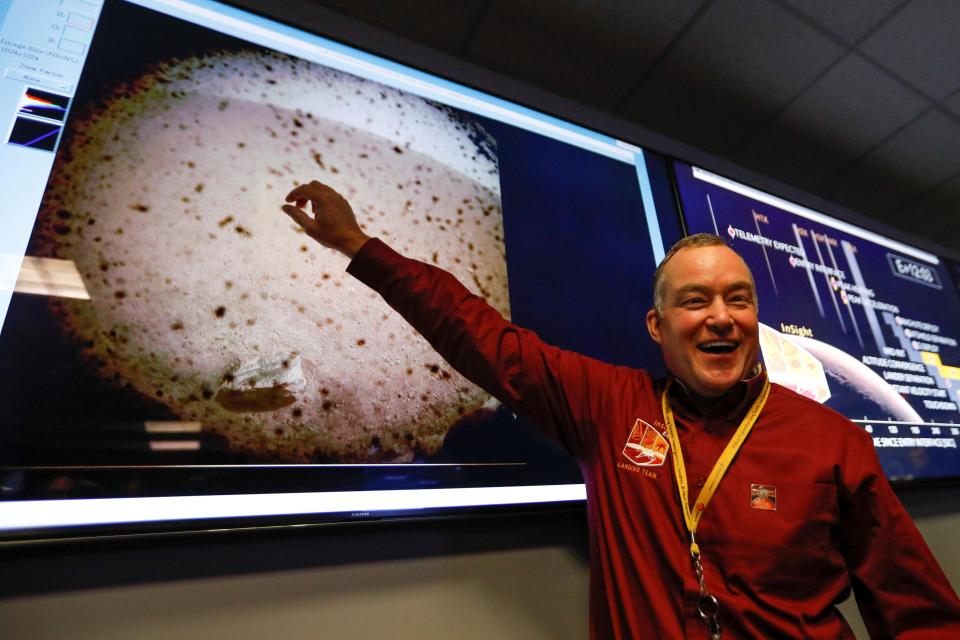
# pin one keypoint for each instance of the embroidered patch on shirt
(646, 447)
(763, 497)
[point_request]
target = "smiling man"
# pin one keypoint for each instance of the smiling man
(718, 503)
(704, 315)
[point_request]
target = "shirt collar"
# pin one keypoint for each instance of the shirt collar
(728, 408)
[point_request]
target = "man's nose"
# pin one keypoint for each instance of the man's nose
(720, 318)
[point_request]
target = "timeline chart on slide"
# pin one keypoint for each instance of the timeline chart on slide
(863, 323)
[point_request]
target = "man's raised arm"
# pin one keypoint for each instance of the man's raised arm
(555, 388)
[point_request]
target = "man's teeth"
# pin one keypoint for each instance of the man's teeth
(718, 346)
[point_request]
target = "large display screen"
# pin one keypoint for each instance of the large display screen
(173, 348)
(858, 321)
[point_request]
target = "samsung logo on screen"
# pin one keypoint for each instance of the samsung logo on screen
(913, 271)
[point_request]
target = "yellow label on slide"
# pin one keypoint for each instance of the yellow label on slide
(947, 372)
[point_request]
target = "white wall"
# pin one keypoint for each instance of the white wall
(529, 594)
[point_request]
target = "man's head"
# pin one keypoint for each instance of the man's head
(705, 315)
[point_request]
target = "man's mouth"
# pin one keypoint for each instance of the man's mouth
(718, 347)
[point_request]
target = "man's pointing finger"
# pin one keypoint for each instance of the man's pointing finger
(302, 193)
(299, 215)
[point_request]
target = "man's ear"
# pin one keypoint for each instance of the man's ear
(653, 325)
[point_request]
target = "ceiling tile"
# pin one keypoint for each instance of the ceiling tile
(850, 109)
(951, 242)
(737, 66)
(436, 23)
(589, 50)
(935, 214)
(849, 19)
(952, 103)
(919, 44)
(917, 158)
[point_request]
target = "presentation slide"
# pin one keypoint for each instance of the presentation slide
(858, 321)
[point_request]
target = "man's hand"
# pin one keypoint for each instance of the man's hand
(333, 223)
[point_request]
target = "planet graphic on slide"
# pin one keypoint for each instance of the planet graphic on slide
(205, 297)
(849, 372)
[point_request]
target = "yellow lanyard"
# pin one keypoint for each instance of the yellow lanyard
(691, 517)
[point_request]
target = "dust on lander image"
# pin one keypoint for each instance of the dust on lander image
(206, 297)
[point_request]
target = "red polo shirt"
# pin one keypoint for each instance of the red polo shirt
(776, 572)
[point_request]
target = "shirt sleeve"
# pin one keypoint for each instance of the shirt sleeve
(900, 589)
(558, 390)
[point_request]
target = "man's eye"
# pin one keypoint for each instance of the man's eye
(692, 302)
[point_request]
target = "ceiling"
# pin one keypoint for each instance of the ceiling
(855, 101)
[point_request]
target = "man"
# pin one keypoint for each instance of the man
(681, 546)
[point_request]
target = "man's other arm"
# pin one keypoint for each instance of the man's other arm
(900, 589)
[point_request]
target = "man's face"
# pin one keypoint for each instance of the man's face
(708, 327)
